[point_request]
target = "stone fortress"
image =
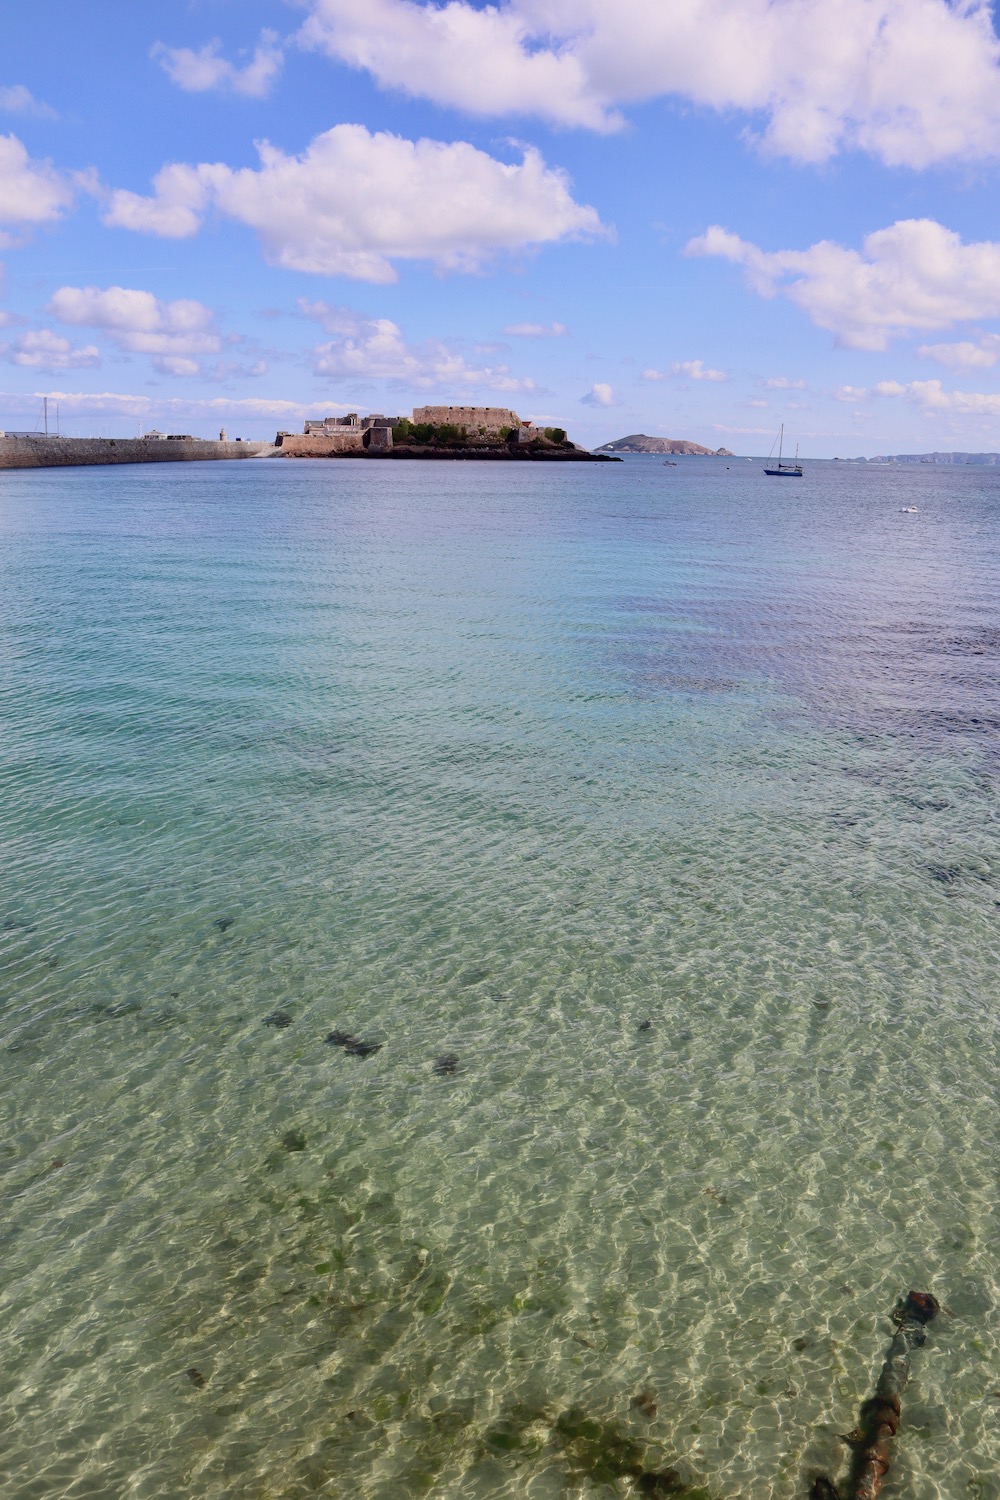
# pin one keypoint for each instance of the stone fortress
(483, 426)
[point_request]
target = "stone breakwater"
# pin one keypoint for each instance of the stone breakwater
(54, 452)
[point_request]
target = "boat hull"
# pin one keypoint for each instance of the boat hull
(784, 473)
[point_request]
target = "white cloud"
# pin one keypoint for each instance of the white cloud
(929, 396)
(171, 332)
(692, 369)
(758, 401)
(782, 383)
(695, 369)
(15, 99)
(42, 349)
(966, 355)
(374, 349)
(204, 70)
(354, 202)
(537, 330)
(117, 404)
(600, 394)
(32, 192)
(853, 393)
(911, 81)
(916, 274)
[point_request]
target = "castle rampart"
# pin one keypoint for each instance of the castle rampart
(57, 452)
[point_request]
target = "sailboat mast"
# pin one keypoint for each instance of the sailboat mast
(781, 443)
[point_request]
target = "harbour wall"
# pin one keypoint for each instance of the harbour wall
(53, 452)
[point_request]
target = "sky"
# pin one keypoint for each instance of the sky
(690, 218)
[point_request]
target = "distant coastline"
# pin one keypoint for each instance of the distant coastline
(979, 460)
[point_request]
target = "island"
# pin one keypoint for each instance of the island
(435, 432)
(431, 432)
(639, 442)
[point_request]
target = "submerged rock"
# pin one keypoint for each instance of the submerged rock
(351, 1044)
(363, 1049)
(223, 923)
(279, 1019)
(646, 1025)
(446, 1063)
(195, 1376)
(341, 1039)
(293, 1140)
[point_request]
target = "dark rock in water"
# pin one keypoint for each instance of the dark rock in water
(175, 994)
(473, 976)
(362, 1049)
(293, 1140)
(195, 1376)
(659, 1482)
(446, 1063)
(279, 1019)
(646, 1403)
(646, 1025)
(352, 1045)
(223, 923)
(341, 1039)
(822, 1489)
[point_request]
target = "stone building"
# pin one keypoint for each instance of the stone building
(491, 418)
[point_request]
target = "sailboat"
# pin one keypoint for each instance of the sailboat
(785, 471)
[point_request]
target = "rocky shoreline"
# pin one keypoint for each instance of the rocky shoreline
(502, 454)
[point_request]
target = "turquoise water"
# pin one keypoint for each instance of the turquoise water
(497, 766)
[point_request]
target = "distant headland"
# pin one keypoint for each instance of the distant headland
(432, 432)
(983, 460)
(638, 442)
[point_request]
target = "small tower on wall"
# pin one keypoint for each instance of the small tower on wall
(222, 435)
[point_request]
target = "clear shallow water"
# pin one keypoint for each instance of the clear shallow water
(497, 765)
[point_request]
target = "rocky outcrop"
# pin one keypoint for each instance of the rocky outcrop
(639, 442)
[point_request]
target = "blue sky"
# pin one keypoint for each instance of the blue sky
(692, 218)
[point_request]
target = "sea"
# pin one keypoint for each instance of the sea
(639, 824)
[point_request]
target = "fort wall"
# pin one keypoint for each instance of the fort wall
(55, 452)
(493, 418)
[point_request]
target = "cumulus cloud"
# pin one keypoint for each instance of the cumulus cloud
(965, 355)
(931, 397)
(600, 394)
(911, 81)
(15, 99)
(171, 413)
(375, 349)
(41, 349)
(172, 333)
(692, 369)
(852, 393)
(206, 70)
(354, 202)
(537, 330)
(695, 369)
(32, 192)
(916, 274)
(782, 383)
